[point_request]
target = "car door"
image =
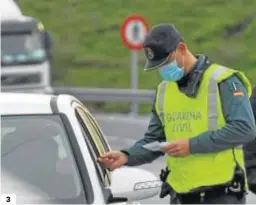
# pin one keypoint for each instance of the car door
(39, 165)
(95, 140)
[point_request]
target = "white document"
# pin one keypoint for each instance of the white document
(155, 146)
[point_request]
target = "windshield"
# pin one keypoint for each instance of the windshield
(21, 48)
(36, 160)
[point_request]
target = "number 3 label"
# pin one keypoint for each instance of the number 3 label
(8, 199)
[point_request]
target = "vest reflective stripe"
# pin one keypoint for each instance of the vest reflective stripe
(212, 98)
(161, 101)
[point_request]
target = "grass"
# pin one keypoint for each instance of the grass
(89, 51)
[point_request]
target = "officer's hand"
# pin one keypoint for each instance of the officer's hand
(113, 159)
(178, 148)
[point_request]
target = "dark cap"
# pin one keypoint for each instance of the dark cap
(161, 40)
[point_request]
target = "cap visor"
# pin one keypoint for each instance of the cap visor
(151, 65)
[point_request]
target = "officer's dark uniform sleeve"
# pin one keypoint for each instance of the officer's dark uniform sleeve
(250, 152)
(137, 155)
(240, 124)
(250, 148)
(253, 102)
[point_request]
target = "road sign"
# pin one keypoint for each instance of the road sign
(133, 31)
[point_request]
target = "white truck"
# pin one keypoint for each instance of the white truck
(26, 51)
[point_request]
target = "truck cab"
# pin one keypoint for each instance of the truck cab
(26, 51)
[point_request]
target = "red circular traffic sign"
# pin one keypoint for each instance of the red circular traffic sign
(133, 32)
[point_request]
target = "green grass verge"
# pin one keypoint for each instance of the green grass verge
(88, 48)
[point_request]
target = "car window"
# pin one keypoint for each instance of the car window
(99, 132)
(95, 140)
(37, 163)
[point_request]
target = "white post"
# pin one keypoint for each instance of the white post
(134, 80)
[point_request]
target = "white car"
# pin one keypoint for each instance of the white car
(49, 150)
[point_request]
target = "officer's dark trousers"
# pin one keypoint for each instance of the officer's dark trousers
(221, 199)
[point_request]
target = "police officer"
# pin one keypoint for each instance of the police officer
(250, 152)
(202, 110)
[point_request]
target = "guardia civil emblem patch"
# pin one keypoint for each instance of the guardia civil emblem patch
(149, 53)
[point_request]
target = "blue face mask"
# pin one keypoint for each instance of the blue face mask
(171, 71)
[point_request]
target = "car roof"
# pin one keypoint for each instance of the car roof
(29, 103)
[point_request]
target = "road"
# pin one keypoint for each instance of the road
(123, 131)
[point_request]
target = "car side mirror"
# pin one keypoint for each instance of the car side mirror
(134, 184)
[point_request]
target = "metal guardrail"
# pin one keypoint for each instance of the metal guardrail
(26, 89)
(93, 94)
(108, 94)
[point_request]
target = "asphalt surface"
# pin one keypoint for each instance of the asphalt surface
(123, 131)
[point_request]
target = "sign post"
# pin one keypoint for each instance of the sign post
(133, 32)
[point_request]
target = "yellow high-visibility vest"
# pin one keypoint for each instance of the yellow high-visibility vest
(185, 117)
